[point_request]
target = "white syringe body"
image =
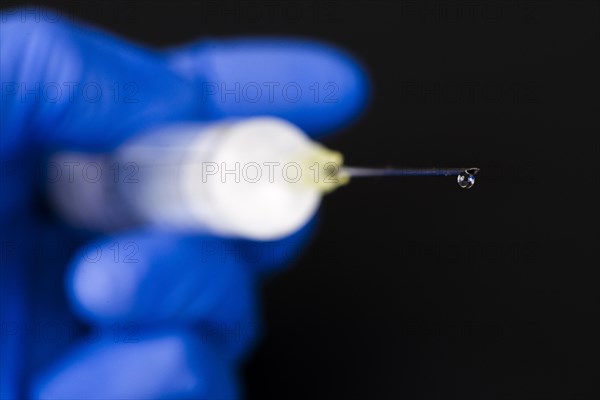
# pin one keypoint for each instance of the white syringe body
(233, 178)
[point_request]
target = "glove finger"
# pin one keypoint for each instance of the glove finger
(158, 278)
(68, 85)
(318, 87)
(155, 277)
(167, 364)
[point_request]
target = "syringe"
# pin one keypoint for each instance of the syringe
(259, 178)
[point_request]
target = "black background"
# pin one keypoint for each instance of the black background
(414, 288)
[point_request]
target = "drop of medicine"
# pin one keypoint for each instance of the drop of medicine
(465, 180)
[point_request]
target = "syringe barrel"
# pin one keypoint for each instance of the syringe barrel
(195, 177)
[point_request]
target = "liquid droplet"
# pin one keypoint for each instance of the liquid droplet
(466, 179)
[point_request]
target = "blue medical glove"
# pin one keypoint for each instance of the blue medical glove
(166, 315)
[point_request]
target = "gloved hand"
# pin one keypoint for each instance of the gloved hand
(166, 315)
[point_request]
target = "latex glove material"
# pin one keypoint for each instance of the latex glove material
(178, 291)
